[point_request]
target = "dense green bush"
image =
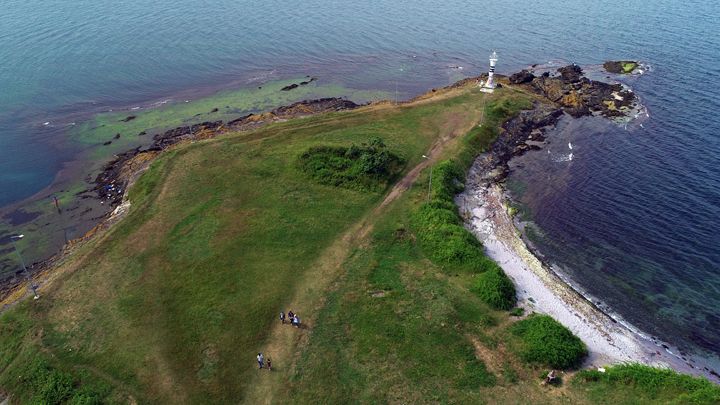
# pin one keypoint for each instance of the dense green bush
(545, 341)
(656, 384)
(495, 288)
(443, 237)
(447, 181)
(368, 166)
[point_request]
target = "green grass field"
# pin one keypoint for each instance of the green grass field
(173, 303)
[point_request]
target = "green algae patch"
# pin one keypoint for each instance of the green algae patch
(628, 67)
(137, 127)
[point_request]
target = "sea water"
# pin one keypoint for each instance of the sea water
(632, 217)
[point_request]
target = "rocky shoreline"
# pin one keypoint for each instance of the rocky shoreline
(113, 179)
(565, 91)
(484, 206)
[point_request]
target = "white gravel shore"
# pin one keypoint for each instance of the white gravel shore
(541, 290)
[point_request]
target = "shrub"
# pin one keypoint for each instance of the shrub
(519, 311)
(495, 288)
(439, 228)
(545, 341)
(655, 383)
(447, 181)
(368, 167)
(446, 241)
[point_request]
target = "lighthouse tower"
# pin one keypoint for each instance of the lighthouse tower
(489, 85)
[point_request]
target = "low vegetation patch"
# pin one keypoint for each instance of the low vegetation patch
(440, 230)
(34, 379)
(545, 341)
(495, 288)
(646, 385)
(437, 224)
(369, 166)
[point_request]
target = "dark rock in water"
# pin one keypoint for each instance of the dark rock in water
(620, 66)
(522, 76)
(571, 73)
(214, 110)
(295, 86)
(128, 118)
(117, 136)
(107, 143)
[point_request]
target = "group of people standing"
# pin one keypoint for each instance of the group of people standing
(293, 318)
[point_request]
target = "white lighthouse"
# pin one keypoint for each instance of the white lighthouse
(489, 85)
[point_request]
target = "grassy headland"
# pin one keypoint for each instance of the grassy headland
(98, 139)
(172, 304)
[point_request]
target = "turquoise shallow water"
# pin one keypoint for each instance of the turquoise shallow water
(635, 218)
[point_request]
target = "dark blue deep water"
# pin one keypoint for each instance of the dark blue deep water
(633, 217)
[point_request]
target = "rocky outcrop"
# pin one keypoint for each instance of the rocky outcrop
(620, 66)
(296, 85)
(519, 135)
(521, 77)
(571, 73)
(581, 96)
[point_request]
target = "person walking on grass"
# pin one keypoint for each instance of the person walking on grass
(290, 315)
(282, 317)
(296, 321)
(269, 364)
(260, 360)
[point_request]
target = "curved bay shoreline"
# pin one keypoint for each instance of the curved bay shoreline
(485, 208)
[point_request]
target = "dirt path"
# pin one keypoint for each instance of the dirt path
(285, 343)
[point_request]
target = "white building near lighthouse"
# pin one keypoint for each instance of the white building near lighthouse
(489, 85)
